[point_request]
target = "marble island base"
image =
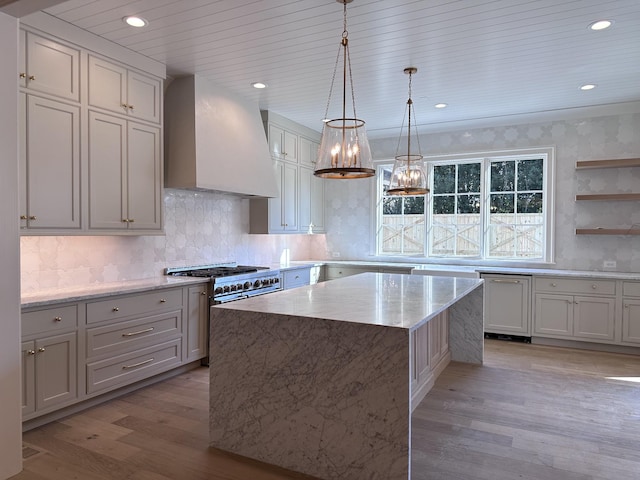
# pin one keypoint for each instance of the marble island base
(324, 396)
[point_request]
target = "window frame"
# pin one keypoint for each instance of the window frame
(485, 159)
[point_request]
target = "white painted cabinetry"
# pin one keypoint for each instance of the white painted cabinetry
(631, 313)
(124, 174)
(569, 308)
(507, 304)
(297, 277)
(196, 329)
(49, 359)
(49, 66)
(300, 206)
(118, 89)
(84, 171)
(49, 164)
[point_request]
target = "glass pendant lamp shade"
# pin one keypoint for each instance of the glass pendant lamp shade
(408, 176)
(344, 148)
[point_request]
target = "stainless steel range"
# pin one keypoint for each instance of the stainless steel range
(229, 282)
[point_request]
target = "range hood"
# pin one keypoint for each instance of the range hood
(215, 140)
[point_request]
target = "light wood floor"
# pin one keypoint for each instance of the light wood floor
(530, 412)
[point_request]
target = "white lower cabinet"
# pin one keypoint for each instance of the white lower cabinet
(429, 355)
(581, 309)
(297, 277)
(507, 304)
(631, 313)
(49, 359)
(73, 352)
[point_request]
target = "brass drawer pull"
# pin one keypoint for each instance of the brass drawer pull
(41, 349)
(115, 309)
(162, 300)
(23, 217)
(32, 77)
(139, 332)
(57, 319)
(32, 217)
(203, 293)
(23, 75)
(125, 367)
(505, 281)
(31, 352)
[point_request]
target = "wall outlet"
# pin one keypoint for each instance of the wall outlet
(609, 264)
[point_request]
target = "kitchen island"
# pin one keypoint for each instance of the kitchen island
(318, 379)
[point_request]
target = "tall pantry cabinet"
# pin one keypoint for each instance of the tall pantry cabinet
(91, 129)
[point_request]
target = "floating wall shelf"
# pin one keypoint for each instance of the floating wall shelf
(607, 231)
(609, 196)
(620, 163)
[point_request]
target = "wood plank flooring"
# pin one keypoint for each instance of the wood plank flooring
(530, 412)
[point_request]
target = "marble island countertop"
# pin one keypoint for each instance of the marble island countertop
(384, 299)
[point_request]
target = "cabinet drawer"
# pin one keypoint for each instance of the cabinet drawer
(121, 307)
(131, 335)
(631, 289)
(296, 278)
(51, 319)
(124, 369)
(574, 285)
(332, 271)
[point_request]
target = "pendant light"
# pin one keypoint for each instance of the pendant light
(408, 176)
(344, 149)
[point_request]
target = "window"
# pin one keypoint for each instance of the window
(496, 206)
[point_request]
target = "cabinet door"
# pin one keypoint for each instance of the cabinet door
(197, 329)
(28, 377)
(52, 164)
(52, 67)
(553, 315)
(631, 321)
(56, 370)
(283, 144)
(289, 197)
(290, 147)
(311, 193)
(107, 85)
(594, 317)
(107, 170)
(308, 152)
(143, 97)
(22, 145)
(506, 300)
(144, 181)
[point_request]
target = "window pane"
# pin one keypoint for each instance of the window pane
(530, 174)
(444, 204)
(391, 205)
(444, 179)
(468, 237)
(529, 203)
(414, 205)
(443, 240)
(468, 203)
(501, 241)
(502, 176)
(469, 178)
(502, 203)
(530, 240)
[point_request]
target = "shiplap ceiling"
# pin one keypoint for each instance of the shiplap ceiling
(487, 59)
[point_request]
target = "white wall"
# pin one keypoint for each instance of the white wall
(586, 138)
(10, 413)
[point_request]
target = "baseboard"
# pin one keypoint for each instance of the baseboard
(599, 347)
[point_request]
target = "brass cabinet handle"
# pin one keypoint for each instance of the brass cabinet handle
(131, 220)
(505, 281)
(130, 107)
(57, 319)
(41, 349)
(23, 217)
(116, 309)
(594, 286)
(124, 105)
(23, 75)
(203, 293)
(162, 300)
(139, 332)
(32, 77)
(125, 220)
(31, 352)
(139, 364)
(553, 285)
(32, 217)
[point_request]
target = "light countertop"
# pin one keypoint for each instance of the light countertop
(87, 292)
(391, 300)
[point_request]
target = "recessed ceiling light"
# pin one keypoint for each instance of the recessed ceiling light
(600, 24)
(135, 21)
(588, 86)
(440, 105)
(259, 85)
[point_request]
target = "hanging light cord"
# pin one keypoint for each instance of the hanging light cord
(408, 111)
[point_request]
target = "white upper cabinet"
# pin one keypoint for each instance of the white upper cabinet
(308, 152)
(124, 174)
(118, 89)
(49, 67)
(283, 144)
(49, 164)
